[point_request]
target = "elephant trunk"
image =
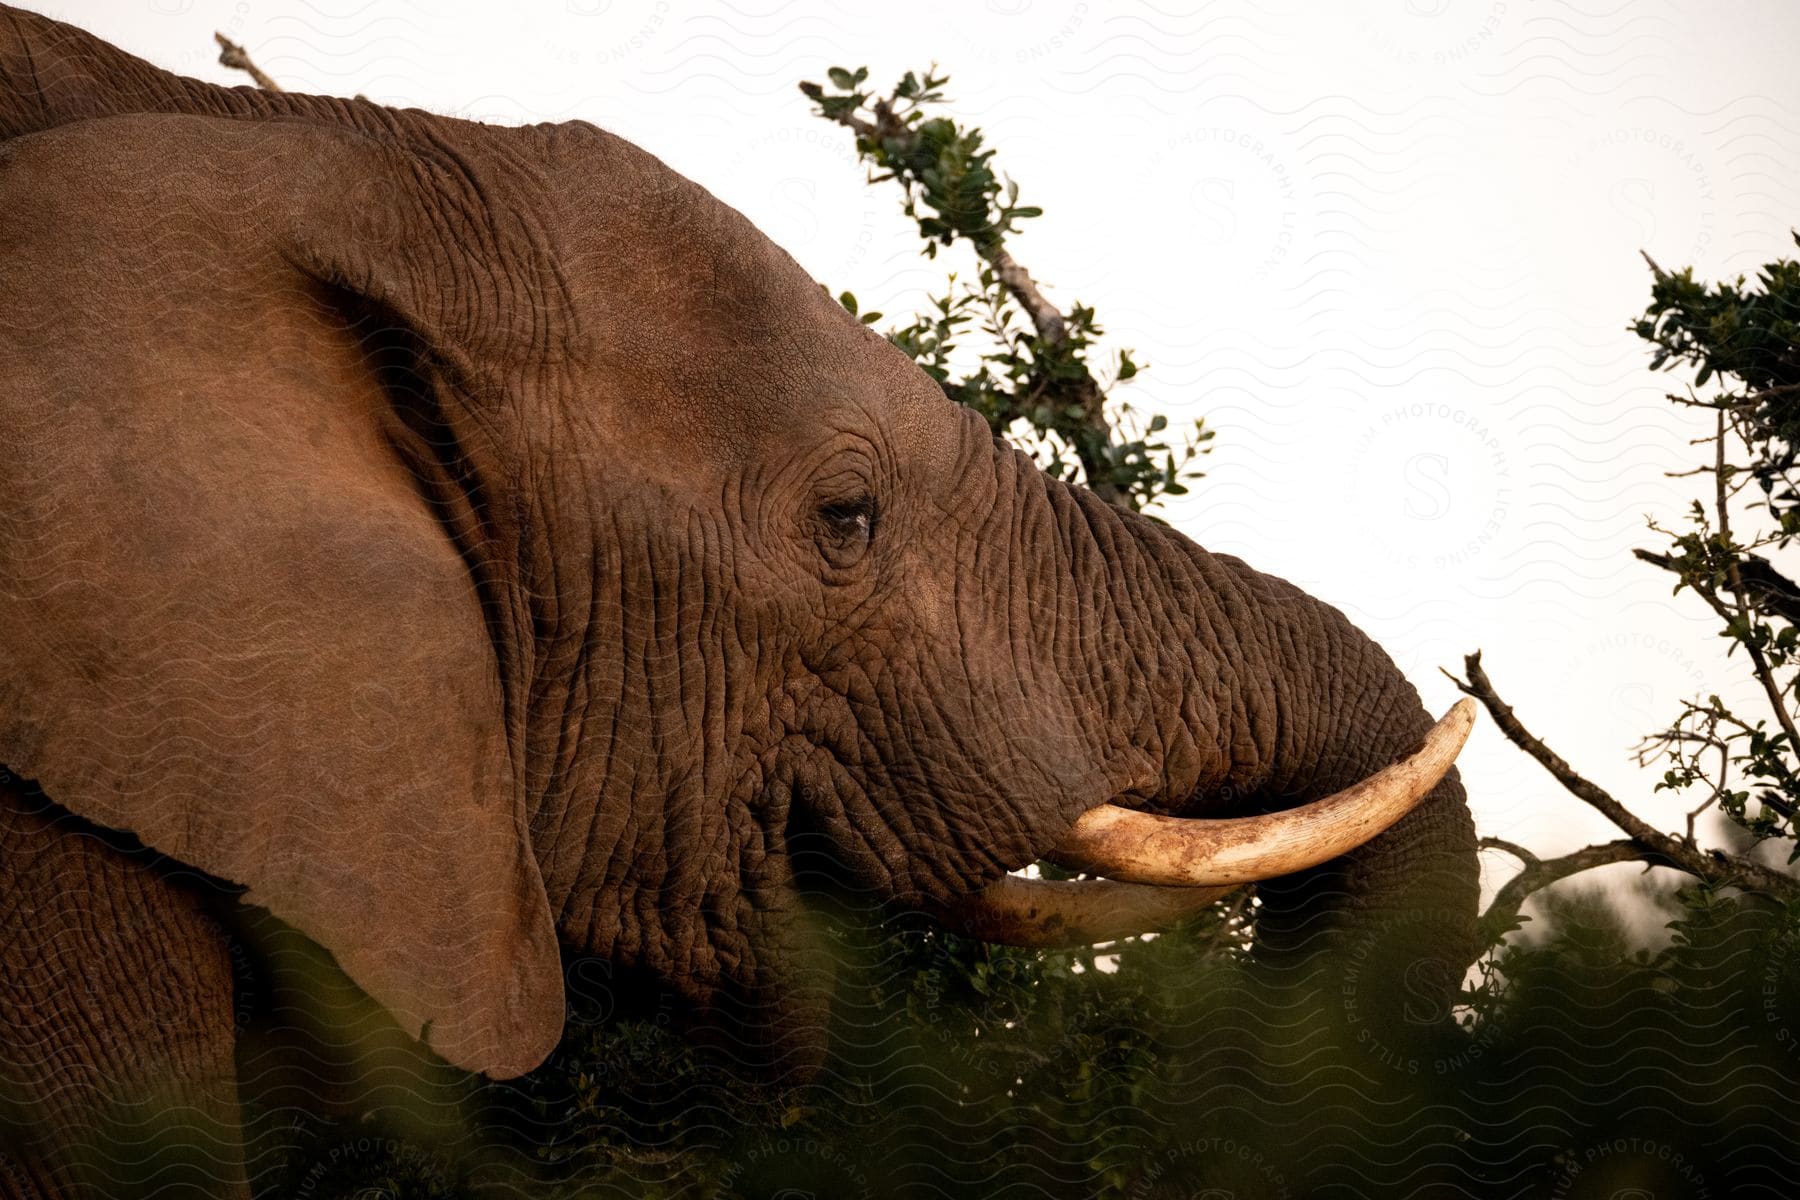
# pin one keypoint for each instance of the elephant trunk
(1228, 693)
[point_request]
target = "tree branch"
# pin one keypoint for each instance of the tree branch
(1513, 848)
(238, 59)
(1735, 581)
(1713, 867)
(899, 139)
(1045, 317)
(1769, 589)
(1765, 587)
(889, 128)
(1502, 915)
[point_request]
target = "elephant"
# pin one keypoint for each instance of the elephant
(474, 543)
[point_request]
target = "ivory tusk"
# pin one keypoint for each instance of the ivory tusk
(1145, 848)
(1049, 913)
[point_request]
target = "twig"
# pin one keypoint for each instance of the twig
(1714, 867)
(238, 59)
(1718, 791)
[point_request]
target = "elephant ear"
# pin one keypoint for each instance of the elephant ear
(248, 587)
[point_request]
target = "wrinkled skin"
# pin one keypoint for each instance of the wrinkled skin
(472, 540)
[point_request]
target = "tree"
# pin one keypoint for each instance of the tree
(1033, 381)
(1747, 765)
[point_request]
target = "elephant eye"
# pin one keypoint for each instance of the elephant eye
(847, 527)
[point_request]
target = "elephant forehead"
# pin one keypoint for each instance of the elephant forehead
(703, 342)
(709, 417)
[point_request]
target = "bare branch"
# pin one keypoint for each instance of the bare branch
(238, 59)
(1714, 867)
(1503, 912)
(1479, 686)
(1513, 848)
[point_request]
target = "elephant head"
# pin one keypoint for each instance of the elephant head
(474, 538)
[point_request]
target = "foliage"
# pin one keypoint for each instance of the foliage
(1745, 340)
(960, 1069)
(1033, 382)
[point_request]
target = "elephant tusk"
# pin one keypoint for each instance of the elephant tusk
(1163, 869)
(1146, 848)
(1048, 914)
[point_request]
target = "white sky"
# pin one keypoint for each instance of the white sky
(1388, 249)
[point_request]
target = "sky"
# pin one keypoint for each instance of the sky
(1388, 250)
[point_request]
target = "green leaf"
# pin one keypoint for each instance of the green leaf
(842, 78)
